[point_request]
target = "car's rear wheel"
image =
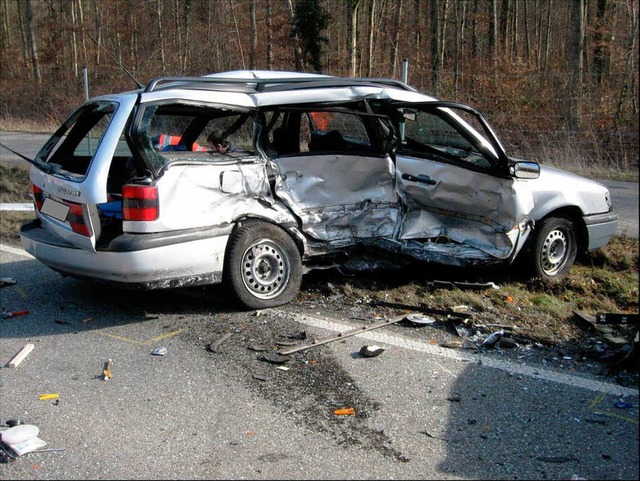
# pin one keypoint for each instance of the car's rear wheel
(263, 266)
(554, 248)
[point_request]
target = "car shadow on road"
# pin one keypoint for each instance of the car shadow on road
(46, 303)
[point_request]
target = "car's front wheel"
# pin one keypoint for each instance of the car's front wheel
(554, 248)
(263, 266)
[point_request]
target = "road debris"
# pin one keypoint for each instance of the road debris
(18, 358)
(106, 371)
(341, 335)
(448, 313)
(275, 358)
(429, 435)
(46, 397)
(159, 351)
(613, 318)
(345, 412)
(371, 351)
(215, 346)
(420, 319)
(6, 313)
(23, 439)
(604, 331)
(477, 286)
(7, 281)
(493, 339)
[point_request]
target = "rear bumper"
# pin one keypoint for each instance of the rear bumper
(600, 228)
(145, 260)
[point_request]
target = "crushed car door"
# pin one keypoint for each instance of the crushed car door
(334, 174)
(453, 175)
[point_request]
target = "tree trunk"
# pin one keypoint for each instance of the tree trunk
(629, 67)
(396, 41)
(235, 25)
(352, 31)
(370, 56)
(297, 50)
(186, 6)
(31, 37)
(82, 31)
(73, 41)
(254, 34)
(547, 37)
(493, 36)
(160, 35)
(600, 41)
(436, 62)
(576, 42)
(269, 22)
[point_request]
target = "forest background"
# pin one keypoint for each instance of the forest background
(557, 79)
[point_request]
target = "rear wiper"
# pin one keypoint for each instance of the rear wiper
(46, 168)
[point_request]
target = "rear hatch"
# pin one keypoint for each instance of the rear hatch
(73, 169)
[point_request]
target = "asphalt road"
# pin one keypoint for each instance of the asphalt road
(441, 414)
(623, 194)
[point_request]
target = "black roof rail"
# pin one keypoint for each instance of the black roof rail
(271, 84)
(338, 82)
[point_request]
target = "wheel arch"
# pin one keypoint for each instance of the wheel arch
(290, 228)
(574, 214)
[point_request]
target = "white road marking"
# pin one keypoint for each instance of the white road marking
(379, 336)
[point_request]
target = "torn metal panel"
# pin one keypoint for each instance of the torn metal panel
(472, 232)
(340, 196)
(441, 252)
(487, 215)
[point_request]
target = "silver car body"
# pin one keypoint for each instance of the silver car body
(326, 202)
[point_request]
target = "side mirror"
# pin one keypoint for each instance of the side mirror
(525, 170)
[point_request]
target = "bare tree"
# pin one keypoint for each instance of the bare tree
(353, 36)
(254, 35)
(160, 34)
(396, 41)
(576, 43)
(269, 22)
(31, 37)
(370, 55)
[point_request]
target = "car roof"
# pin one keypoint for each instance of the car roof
(264, 88)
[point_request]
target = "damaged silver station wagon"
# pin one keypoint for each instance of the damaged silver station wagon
(323, 171)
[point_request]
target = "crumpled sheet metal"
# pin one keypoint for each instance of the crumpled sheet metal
(340, 196)
(488, 220)
(422, 224)
(196, 196)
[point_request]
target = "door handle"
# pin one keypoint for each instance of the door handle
(423, 179)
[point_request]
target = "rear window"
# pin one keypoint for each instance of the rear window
(74, 144)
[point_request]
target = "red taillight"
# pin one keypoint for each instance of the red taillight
(38, 197)
(76, 219)
(139, 202)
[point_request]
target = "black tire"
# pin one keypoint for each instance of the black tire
(553, 249)
(263, 267)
